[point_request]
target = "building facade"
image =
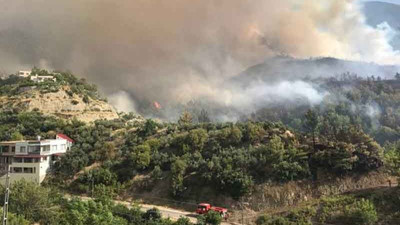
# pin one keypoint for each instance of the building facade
(39, 79)
(31, 160)
(24, 73)
(35, 78)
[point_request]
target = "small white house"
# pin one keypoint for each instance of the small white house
(31, 160)
(24, 73)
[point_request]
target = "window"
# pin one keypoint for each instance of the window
(36, 160)
(54, 148)
(45, 158)
(17, 169)
(22, 149)
(28, 170)
(45, 148)
(13, 149)
(63, 147)
(5, 149)
(18, 160)
(34, 149)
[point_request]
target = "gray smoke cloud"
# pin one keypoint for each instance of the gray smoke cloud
(178, 50)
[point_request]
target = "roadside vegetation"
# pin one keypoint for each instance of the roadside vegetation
(375, 206)
(36, 204)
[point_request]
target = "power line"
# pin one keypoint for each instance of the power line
(6, 197)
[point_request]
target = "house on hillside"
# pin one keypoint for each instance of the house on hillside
(39, 79)
(24, 73)
(31, 159)
(35, 78)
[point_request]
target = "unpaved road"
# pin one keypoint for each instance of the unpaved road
(173, 214)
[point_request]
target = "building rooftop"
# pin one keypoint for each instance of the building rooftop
(62, 136)
(9, 142)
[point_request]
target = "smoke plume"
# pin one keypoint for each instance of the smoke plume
(178, 50)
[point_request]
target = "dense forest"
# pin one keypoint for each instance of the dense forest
(353, 131)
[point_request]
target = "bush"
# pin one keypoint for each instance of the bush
(211, 218)
(362, 212)
(297, 217)
(273, 220)
(152, 214)
(75, 102)
(85, 99)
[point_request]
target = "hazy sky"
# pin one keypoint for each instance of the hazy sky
(178, 50)
(389, 1)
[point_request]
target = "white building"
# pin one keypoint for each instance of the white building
(39, 79)
(35, 78)
(31, 160)
(24, 73)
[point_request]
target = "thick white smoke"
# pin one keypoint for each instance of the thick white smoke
(122, 101)
(178, 50)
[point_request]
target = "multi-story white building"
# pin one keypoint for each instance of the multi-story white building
(32, 160)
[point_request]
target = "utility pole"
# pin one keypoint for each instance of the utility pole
(6, 196)
(92, 179)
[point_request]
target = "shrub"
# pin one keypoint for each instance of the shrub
(272, 220)
(85, 99)
(74, 102)
(152, 214)
(183, 221)
(211, 218)
(362, 212)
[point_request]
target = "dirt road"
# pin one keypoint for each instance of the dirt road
(173, 214)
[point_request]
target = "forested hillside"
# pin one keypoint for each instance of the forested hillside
(196, 160)
(372, 104)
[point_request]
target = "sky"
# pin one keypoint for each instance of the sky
(389, 1)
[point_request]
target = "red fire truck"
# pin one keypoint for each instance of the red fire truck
(204, 208)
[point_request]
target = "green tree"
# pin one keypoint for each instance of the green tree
(197, 138)
(203, 117)
(149, 128)
(29, 200)
(141, 156)
(106, 152)
(392, 158)
(311, 124)
(186, 118)
(254, 132)
(178, 169)
(397, 76)
(14, 219)
(156, 174)
(17, 136)
(72, 162)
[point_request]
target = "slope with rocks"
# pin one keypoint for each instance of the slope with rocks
(66, 98)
